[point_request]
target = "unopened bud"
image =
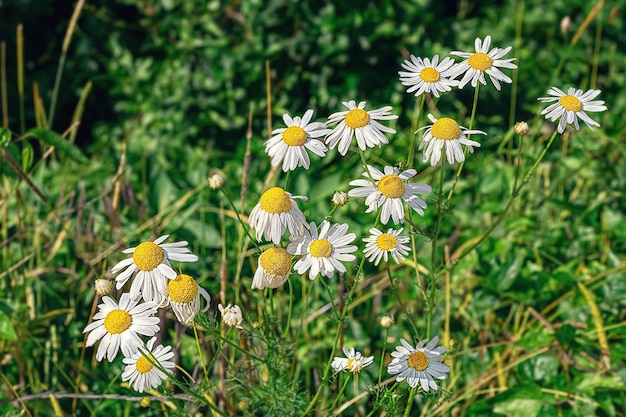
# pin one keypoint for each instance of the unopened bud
(340, 198)
(521, 128)
(145, 402)
(216, 179)
(565, 23)
(231, 315)
(386, 322)
(103, 287)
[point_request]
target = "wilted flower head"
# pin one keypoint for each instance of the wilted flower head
(231, 315)
(353, 362)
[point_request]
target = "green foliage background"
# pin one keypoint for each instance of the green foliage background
(173, 83)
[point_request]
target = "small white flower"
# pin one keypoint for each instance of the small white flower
(231, 315)
(324, 251)
(143, 375)
(275, 211)
(288, 145)
(388, 192)
(426, 76)
(183, 294)
(119, 325)
(273, 270)
(360, 123)
(151, 259)
(483, 62)
(420, 364)
(572, 106)
(353, 362)
(446, 132)
(380, 245)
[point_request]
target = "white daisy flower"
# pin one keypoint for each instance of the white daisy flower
(360, 123)
(353, 362)
(419, 364)
(446, 132)
(273, 270)
(143, 375)
(388, 191)
(483, 62)
(183, 294)
(324, 250)
(276, 211)
(381, 245)
(231, 315)
(571, 106)
(151, 259)
(119, 325)
(288, 145)
(426, 76)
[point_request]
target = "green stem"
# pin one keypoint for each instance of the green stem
(430, 302)
(409, 403)
(288, 325)
(415, 124)
(340, 393)
(380, 368)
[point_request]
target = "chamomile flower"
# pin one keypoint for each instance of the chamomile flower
(143, 375)
(119, 325)
(273, 270)
(419, 364)
(360, 123)
(388, 191)
(289, 145)
(353, 362)
(380, 245)
(231, 315)
(276, 211)
(151, 260)
(426, 76)
(183, 294)
(324, 251)
(572, 106)
(482, 62)
(446, 132)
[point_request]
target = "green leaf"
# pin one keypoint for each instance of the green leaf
(5, 136)
(523, 401)
(27, 156)
(56, 140)
(536, 338)
(509, 272)
(590, 382)
(7, 331)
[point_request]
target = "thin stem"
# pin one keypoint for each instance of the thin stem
(340, 393)
(382, 358)
(416, 120)
(195, 334)
(288, 325)
(430, 302)
(471, 123)
(409, 403)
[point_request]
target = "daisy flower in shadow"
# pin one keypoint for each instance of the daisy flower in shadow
(482, 62)
(140, 373)
(118, 325)
(446, 132)
(419, 364)
(426, 76)
(289, 145)
(183, 295)
(275, 211)
(388, 191)
(353, 362)
(151, 260)
(380, 245)
(572, 106)
(360, 123)
(324, 251)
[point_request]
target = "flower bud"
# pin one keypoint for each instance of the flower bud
(231, 315)
(386, 322)
(103, 287)
(565, 23)
(340, 198)
(521, 128)
(216, 179)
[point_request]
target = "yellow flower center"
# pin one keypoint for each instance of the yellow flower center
(276, 261)
(418, 361)
(386, 241)
(275, 201)
(350, 363)
(321, 248)
(294, 136)
(143, 365)
(391, 186)
(571, 103)
(182, 289)
(446, 129)
(357, 118)
(148, 255)
(117, 321)
(429, 75)
(480, 61)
